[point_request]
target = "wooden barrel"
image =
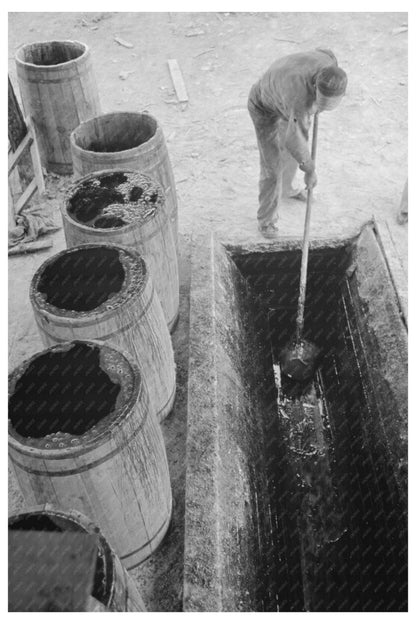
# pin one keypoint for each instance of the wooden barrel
(105, 292)
(113, 588)
(83, 435)
(126, 140)
(127, 208)
(58, 89)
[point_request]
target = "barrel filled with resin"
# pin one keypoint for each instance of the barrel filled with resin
(127, 208)
(105, 292)
(83, 435)
(126, 140)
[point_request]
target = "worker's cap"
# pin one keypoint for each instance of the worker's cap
(332, 81)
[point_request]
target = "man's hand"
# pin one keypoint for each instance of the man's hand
(310, 180)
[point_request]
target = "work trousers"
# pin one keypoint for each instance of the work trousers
(277, 166)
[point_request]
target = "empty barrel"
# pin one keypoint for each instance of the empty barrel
(127, 208)
(83, 435)
(59, 91)
(105, 292)
(126, 140)
(113, 588)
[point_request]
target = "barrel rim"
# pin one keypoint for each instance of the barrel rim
(117, 417)
(123, 228)
(148, 145)
(87, 525)
(67, 64)
(127, 293)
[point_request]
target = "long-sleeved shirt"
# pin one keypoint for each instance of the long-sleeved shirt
(287, 90)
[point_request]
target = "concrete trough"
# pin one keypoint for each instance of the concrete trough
(296, 496)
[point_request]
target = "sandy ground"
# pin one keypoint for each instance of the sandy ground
(361, 161)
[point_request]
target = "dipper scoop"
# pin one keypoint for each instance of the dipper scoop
(298, 358)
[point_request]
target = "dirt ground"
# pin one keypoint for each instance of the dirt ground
(361, 159)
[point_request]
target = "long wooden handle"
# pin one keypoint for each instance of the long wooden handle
(305, 249)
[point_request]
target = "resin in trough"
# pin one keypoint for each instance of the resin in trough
(62, 391)
(341, 539)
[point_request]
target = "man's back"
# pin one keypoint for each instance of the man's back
(289, 82)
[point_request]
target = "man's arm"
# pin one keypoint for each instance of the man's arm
(296, 139)
(296, 142)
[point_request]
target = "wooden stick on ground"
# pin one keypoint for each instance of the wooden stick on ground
(177, 80)
(30, 247)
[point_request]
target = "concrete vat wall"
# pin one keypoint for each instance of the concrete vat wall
(234, 559)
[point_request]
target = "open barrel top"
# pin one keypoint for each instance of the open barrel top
(50, 54)
(113, 199)
(71, 395)
(88, 280)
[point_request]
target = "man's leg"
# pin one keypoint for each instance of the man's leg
(271, 169)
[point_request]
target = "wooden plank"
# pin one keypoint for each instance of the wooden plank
(37, 168)
(37, 183)
(24, 198)
(17, 130)
(15, 156)
(11, 217)
(15, 185)
(30, 247)
(51, 571)
(16, 125)
(36, 161)
(177, 80)
(122, 42)
(15, 191)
